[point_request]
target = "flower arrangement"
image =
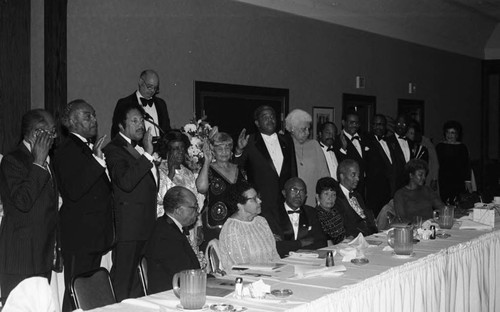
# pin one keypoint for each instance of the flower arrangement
(198, 131)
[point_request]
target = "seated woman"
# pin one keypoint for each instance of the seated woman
(416, 199)
(246, 236)
(330, 219)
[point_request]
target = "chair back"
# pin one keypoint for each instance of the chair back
(143, 273)
(92, 289)
(212, 253)
(387, 213)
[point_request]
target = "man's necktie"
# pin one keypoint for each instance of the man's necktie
(381, 138)
(353, 201)
(185, 231)
(402, 137)
(355, 138)
(133, 143)
(148, 102)
(293, 211)
(351, 194)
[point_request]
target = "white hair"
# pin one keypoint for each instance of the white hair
(296, 117)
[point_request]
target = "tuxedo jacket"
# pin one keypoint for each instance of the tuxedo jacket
(262, 174)
(309, 226)
(86, 214)
(161, 109)
(380, 181)
(168, 252)
(134, 190)
(353, 223)
(29, 226)
(352, 153)
(398, 161)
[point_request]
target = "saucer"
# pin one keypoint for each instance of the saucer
(221, 307)
(281, 293)
(443, 235)
(180, 308)
(360, 261)
(394, 255)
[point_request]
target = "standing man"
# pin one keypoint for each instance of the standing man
(30, 201)
(269, 161)
(380, 182)
(326, 135)
(299, 224)
(350, 204)
(168, 250)
(402, 151)
(155, 107)
(134, 179)
(86, 215)
(350, 145)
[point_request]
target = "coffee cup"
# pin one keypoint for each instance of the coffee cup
(192, 288)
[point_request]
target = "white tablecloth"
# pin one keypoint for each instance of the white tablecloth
(460, 273)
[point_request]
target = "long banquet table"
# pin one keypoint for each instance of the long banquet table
(460, 273)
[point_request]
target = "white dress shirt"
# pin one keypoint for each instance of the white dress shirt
(331, 161)
(294, 219)
(356, 143)
(151, 110)
(385, 147)
(102, 161)
(274, 148)
(353, 202)
(141, 151)
(403, 143)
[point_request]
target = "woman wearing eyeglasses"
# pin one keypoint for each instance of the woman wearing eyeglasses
(246, 236)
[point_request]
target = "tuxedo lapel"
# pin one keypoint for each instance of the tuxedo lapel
(303, 224)
(120, 141)
(352, 149)
(381, 151)
(262, 148)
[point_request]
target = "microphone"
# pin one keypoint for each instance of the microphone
(151, 120)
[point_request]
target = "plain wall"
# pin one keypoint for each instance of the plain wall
(111, 41)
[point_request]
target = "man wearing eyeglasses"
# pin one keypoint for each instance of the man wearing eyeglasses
(154, 107)
(134, 180)
(299, 224)
(30, 201)
(168, 250)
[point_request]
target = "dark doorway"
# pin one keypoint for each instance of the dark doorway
(364, 105)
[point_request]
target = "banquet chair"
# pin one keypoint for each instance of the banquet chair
(92, 289)
(143, 274)
(33, 294)
(212, 252)
(385, 215)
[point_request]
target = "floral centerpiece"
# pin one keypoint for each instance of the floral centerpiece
(198, 132)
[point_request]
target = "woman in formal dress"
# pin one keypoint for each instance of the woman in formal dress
(414, 136)
(416, 199)
(454, 163)
(311, 162)
(329, 217)
(246, 236)
(214, 179)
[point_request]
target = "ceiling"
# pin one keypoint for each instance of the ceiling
(467, 27)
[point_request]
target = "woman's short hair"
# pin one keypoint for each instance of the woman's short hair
(296, 117)
(414, 165)
(169, 138)
(453, 124)
(235, 195)
(221, 138)
(326, 184)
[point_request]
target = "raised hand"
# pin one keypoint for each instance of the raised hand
(98, 147)
(41, 147)
(242, 141)
(147, 142)
(207, 152)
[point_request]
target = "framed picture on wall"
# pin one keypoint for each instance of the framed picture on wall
(413, 109)
(321, 115)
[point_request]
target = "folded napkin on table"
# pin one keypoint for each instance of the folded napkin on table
(257, 289)
(303, 254)
(350, 253)
(359, 242)
(323, 272)
(472, 225)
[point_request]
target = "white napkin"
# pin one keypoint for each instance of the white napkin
(323, 272)
(141, 303)
(388, 248)
(31, 295)
(427, 224)
(256, 289)
(350, 253)
(472, 225)
(302, 254)
(359, 242)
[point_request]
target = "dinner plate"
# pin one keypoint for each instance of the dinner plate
(394, 255)
(180, 308)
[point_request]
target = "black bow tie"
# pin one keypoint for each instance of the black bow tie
(148, 102)
(355, 138)
(293, 211)
(381, 138)
(133, 143)
(330, 149)
(402, 137)
(351, 194)
(89, 144)
(185, 231)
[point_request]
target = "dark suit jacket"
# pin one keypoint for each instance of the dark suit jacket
(380, 182)
(262, 174)
(134, 190)
(29, 225)
(168, 252)
(86, 214)
(398, 161)
(352, 153)
(309, 226)
(161, 109)
(353, 223)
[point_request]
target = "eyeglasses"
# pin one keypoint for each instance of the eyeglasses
(296, 191)
(195, 207)
(255, 198)
(150, 87)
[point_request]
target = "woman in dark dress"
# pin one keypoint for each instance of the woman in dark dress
(214, 180)
(454, 164)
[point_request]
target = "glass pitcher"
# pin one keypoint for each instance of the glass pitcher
(192, 290)
(444, 216)
(400, 238)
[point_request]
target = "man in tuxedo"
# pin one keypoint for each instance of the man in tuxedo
(349, 145)
(326, 136)
(28, 231)
(402, 151)
(135, 183)
(357, 218)
(268, 158)
(154, 107)
(86, 216)
(168, 250)
(380, 182)
(299, 224)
